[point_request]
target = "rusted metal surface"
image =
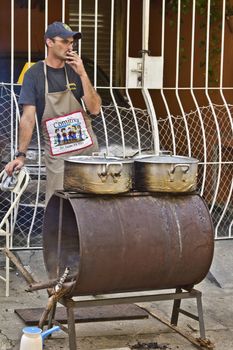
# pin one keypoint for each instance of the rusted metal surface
(200, 343)
(31, 316)
(129, 243)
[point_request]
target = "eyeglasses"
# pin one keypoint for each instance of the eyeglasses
(64, 41)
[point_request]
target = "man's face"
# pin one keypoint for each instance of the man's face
(60, 47)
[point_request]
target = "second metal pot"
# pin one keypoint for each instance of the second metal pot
(166, 173)
(96, 174)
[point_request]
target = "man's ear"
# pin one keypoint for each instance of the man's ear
(49, 42)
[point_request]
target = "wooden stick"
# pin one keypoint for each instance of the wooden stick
(198, 342)
(27, 276)
(52, 300)
(46, 284)
(46, 311)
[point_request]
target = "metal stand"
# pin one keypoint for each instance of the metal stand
(126, 298)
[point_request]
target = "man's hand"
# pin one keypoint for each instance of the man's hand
(15, 164)
(26, 126)
(75, 62)
(91, 99)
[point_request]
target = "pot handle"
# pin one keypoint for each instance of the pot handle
(106, 171)
(165, 153)
(115, 175)
(184, 167)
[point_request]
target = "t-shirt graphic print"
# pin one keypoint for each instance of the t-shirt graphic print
(68, 133)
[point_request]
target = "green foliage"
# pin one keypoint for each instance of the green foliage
(229, 9)
(215, 34)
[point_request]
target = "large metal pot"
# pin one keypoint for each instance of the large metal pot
(166, 173)
(96, 174)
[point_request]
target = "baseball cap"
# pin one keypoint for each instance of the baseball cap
(62, 30)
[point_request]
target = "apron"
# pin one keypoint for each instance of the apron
(67, 131)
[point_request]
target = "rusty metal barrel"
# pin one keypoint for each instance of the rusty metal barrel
(128, 242)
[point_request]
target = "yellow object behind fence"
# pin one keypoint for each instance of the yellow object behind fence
(25, 68)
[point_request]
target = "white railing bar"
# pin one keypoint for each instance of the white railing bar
(145, 92)
(95, 43)
(127, 69)
(88, 15)
(226, 204)
(222, 64)
(177, 76)
(28, 248)
(105, 131)
(14, 133)
(223, 238)
(46, 23)
(197, 88)
(63, 10)
(230, 227)
(228, 111)
(38, 183)
(12, 91)
(17, 112)
(111, 77)
(95, 71)
(172, 88)
(12, 77)
(194, 97)
(161, 91)
(38, 137)
(17, 118)
(29, 32)
(216, 163)
(135, 121)
(80, 25)
(88, 24)
(151, 111)
(170, 121)
(164, 88)
(145, 24)
(212, 108)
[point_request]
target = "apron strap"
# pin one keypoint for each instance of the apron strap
(46, 79)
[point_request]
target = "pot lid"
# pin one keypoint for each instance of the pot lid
(97, 160)
(162, 159)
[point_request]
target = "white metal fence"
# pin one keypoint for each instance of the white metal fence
(129, 124)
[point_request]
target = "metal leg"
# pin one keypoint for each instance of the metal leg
(7, 277)
(71, 324)
(51, 315)
(7, 263)
(175, 309)
(200, 315)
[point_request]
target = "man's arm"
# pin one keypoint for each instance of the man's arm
(91, 99)
(26, 127)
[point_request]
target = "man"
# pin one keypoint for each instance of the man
(51, 92)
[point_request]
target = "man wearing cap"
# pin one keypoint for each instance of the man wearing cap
(51, 92)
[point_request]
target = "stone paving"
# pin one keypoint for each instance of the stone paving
(217, 300)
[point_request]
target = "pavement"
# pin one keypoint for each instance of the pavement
(217, 289)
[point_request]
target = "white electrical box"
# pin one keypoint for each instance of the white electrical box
(146, 72)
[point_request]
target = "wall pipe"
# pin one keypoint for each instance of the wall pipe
(127, 69)
(216, 187)
(145, 92)
(228, 113)
(194, 97)
(162, 90)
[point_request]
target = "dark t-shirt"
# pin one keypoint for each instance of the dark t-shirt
(33, 88)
